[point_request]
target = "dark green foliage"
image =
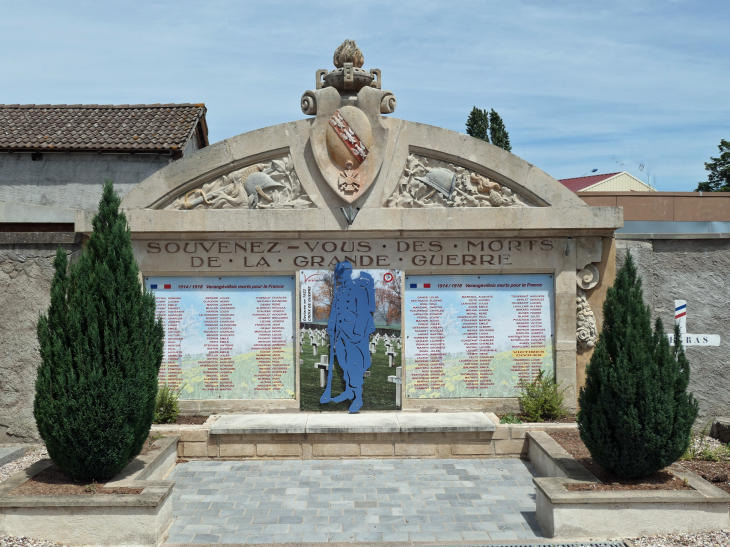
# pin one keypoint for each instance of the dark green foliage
(167, 408)
(101, 350)
(719, 168)
(477, 125)
(635, 413)
(498, 132)
(541, 399)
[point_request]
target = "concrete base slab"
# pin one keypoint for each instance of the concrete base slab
(423, 422)
(368, 422)
(329, 422)
(252, 424)
(10, 453)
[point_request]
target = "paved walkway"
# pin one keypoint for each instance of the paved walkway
(353, 500)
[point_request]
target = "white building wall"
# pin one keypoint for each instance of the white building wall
(623, 182)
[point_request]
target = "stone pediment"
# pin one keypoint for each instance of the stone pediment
(493, 189)
(350, 166)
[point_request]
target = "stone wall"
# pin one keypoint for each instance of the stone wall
(26, 272)
(73, 181)
(695, 270)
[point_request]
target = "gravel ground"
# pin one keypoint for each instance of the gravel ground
(706, 539)
(16, 541)
(32, 455)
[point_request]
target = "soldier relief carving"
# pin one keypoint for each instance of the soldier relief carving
(428, 182)
(269, 185)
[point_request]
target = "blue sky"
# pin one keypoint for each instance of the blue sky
(580, 85)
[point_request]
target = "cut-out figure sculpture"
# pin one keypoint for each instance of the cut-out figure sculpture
(350, 326)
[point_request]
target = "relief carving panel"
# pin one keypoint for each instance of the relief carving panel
(269, 185)
(428, 182)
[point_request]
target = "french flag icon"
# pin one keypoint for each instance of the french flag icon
(420, 285)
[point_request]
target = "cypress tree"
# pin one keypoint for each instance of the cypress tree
(498, 132)
(718, 179)
(101, 350)
(635, 414)
(477, 124)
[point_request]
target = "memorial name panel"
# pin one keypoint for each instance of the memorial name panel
(227, 338)
(476, 336)
(240, 255)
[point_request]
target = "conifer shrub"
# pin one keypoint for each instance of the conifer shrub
(635, 413)
(101, 350)
(541, 399)
(167, 407)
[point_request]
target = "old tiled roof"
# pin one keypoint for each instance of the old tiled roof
(138, 127)
(579, 183)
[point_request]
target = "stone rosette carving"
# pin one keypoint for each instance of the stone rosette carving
(588, 277)
(268, 185)
(586, 330)
(429, 182)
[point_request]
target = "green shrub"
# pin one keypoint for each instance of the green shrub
(510, 418)
(541, 399)
(635, 414)
(101, 349)
(166, 405)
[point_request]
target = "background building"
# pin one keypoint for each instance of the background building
(609, 182)
(53, 161)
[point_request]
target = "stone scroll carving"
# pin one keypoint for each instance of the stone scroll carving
(586, 330)
(268, 185)
(428, 182)
(588, 277)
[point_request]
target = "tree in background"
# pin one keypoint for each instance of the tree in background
(635, 414)
(498, 132)
(324, 293)
(101, 350)
(719, 178)
(477, 124)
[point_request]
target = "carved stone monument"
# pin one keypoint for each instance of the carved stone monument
(525, 260)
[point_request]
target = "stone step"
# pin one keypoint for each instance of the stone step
(373, 422)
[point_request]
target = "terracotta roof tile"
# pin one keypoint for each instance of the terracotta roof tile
(579, 183)
(98, 127)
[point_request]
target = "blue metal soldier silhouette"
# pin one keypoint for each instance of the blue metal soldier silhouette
(349, 327)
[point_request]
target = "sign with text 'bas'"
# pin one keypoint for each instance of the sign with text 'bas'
(476, 335)
(227, 337)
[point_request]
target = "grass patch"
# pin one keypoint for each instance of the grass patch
(378, 393)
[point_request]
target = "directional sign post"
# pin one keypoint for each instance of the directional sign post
(680, 318)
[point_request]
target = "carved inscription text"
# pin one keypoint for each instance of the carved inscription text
(241, 255)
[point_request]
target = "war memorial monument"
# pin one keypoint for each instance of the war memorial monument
(489, 254)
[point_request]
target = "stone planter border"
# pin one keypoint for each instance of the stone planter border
(115, 519)
(604, 514)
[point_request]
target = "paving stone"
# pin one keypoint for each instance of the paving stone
(206, 538)
(341, 537)
(314, 537)
(397, 536)
(353, 500)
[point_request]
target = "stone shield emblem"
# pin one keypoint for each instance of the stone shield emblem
(348, 139)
